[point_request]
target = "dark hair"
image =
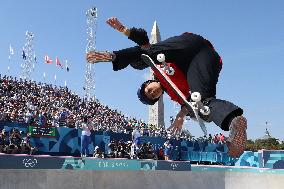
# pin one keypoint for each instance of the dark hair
(142, 96)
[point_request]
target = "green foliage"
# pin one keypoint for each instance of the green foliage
(250, 146)
(281, 145)
(267, 144)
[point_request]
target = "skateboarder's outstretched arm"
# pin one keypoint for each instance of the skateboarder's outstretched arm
(178, 122)
(138, 35)
(122, 58)
(130, 56)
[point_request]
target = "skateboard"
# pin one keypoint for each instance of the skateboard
(197, 106)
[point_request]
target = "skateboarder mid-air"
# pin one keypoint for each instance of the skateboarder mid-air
(196, 67)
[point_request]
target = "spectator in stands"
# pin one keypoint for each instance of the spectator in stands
(222, 138)
(71, 121)
(44, 104)
(210, 138)
(63, 118)
(31, 102)
(216, 138)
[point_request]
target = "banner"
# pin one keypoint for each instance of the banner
(41, 131)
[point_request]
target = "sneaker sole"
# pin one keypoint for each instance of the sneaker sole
(237, 140)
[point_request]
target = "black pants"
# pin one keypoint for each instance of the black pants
(202, 75)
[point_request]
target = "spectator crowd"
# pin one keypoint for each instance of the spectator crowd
(42, 104)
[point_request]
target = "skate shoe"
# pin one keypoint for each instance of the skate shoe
(237, 139)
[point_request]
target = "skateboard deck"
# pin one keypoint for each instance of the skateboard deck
(154, 67)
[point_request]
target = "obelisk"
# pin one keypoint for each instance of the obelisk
(156, 111)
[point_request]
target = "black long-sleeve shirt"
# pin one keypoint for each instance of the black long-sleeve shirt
(179, 50)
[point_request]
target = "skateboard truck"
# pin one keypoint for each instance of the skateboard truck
(196, 97)
(169, 70)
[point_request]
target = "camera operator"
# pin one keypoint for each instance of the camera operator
(26, 147)
(150, 153)
(112, 149)
(15, 141)
(98, 153)
(121, 150)
(3, 141)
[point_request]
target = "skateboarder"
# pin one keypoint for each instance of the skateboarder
(197, 66)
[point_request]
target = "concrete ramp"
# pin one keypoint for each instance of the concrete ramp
(64, 172)
(84, 179)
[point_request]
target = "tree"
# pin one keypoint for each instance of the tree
(267, 144)
(250, 145)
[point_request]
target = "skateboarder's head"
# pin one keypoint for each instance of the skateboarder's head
(150, 92)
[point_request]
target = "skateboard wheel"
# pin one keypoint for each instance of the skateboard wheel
(196, 97)
(161, 57)
(205, 111)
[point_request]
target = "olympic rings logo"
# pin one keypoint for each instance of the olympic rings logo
(29, 163)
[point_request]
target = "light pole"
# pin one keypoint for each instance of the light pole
(28, 57)
(91, 42)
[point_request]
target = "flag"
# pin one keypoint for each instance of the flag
(66, 65)
(44, 75)
(24, 55)
(57, 61)
(11, 50)
(47, 59)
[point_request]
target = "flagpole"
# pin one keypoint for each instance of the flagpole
(9, 63)
(44, 77)
(66, 65)
(55, 79)
(11, 52)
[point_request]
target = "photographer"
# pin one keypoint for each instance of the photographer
(121, 150)
(150, 153)
(15, 142)
(3, 141)
(26, 147)
(98, 153)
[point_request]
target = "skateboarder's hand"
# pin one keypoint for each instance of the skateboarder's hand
(116, 24)
(178, 122)
(177, 125)
(99, 56)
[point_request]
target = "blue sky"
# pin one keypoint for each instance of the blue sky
(249, 35)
